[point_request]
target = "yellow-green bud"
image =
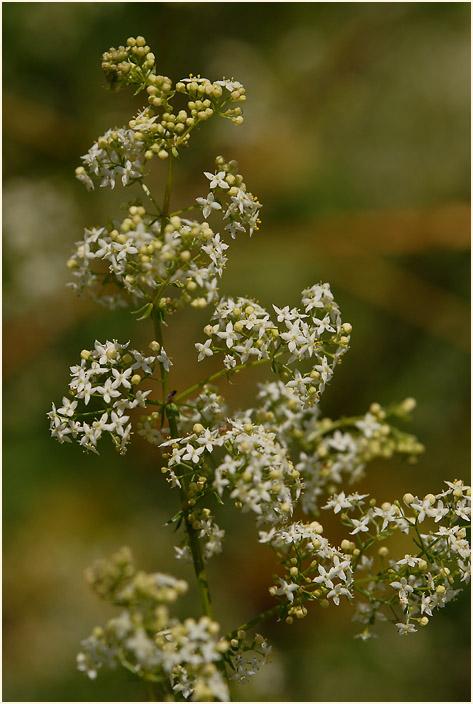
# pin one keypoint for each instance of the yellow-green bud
(408, 405)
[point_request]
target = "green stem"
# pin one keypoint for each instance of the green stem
(148, 193)
(218, 374)
(167, 194)
(194, 544)
(150, 692)
(269, 613)
(158, 333)
(192, 535)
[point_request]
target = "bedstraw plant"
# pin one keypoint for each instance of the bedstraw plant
(266, 460)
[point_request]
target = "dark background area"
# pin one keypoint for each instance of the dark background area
(356, 140)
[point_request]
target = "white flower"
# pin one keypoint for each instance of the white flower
(324, 577)
(164, 359)
(403, 588)
(368, 425)
(287, 589)
(338, 502)
(360, 525)
(409, 560)
(229, 334)
(121, 378)
(405, 628)
(229, 362)
(204, 350)
(129, 171)
(217, 179)
(208, 204)
(337, 591)
(324, 369)
(108, 390)
(68, 407)
(234, 227)
(191, 453)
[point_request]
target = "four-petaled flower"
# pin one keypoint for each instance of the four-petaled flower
(287, 589)
(217, 180)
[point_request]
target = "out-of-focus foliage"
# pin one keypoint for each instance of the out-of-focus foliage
(356, 140)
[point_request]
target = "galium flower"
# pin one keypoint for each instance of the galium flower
(106, 373)
(268, 460)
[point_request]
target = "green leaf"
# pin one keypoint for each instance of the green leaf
(177, 517)
(145, 310)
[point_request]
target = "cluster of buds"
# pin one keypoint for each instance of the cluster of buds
(143, 259)
(128, 65)
(248, 655)
(135, 65)
(156, 647)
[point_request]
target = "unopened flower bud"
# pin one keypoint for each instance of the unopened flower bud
(408, 405)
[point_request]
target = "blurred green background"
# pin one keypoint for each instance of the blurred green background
(356, 140)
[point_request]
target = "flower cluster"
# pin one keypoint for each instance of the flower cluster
(208, 532)
(247, 656)
(245, 330)
(228, 190)
(109, 376)
(255, 470)
(190, 653)
(422, 581)
(280, 456)
(328, 452)
(138, 257)
(181, 656)
(159, 129)
(305, 553)
(117, 155)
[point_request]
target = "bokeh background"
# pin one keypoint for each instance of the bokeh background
(356, 140)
